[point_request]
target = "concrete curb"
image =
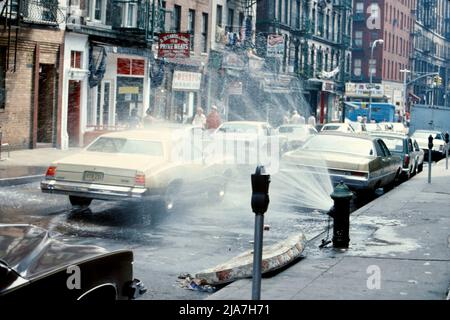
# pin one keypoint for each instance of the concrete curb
(20, 180)
(274, 257)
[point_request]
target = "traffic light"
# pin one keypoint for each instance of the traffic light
(438, 81)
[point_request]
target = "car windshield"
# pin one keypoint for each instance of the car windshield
(393, 144)
(293, 130)
(372, 127)
(331, 143)
(425, 135)
(239, 128)
(128, 146)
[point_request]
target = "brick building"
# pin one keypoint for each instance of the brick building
(31, 48)
(392, 21)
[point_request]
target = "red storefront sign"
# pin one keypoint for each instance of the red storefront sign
(174, 45)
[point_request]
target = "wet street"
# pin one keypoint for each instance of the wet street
(197, 236)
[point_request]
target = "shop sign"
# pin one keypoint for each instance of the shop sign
(363, 89)
(235, 87)
(328, 86)
(275, 45)
(128, 90)
(183, 80)
(232, 61)
(174, 45)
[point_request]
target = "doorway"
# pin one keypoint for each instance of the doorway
(46, 119)
(73, 113)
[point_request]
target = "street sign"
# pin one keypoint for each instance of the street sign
(187, 81)
(275, 45)
(174, 45)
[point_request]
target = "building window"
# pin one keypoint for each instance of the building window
(204, 32)
(230, 20)
(286, 11)
(135, 67)
(358, 41)
(75, 59)
(2, 78)
(372, 67)
(131, 15)
(219, 15)
(357, 67)
(320, 23)
(359, 7)
(241, 19)
(97, 10)
(319, 60)
(177, 18)
(191, 28)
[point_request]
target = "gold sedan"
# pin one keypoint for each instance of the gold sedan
(163, 163)
(362, 162)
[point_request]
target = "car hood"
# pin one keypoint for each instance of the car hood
(331, 160)
(113, 160)
(31, 251)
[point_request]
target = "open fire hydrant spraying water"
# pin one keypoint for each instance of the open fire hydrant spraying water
(340, 213)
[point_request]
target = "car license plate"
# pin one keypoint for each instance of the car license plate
(92, 176)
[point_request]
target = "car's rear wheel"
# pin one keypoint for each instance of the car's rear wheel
(80, 201)
(420, 167)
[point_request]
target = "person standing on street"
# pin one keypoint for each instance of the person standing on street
(199, 118)
(213, 120)
(297, 118)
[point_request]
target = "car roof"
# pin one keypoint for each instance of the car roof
(246, 122)
(388, 134)
(429, 131)
(347, 134)
(157, 133)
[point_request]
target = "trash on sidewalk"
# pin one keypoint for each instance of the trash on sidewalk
(188, 282)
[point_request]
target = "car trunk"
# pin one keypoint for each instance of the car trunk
(104, 168)
(330, 160)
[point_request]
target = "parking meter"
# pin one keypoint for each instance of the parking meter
(430, 147)
(260, 203)
(260, 190)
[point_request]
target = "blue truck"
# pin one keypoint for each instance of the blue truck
(381, 112)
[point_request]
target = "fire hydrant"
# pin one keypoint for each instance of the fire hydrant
(341, 215)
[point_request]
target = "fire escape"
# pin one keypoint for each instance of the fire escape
(15, 14)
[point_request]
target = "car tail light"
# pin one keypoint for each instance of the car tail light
(359, 174)
(406, 161)
(139, 179)
(51, 172)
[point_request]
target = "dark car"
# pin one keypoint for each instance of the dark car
(408, 150)
(35, 265)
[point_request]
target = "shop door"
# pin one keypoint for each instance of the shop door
(46, 104)
(73, 114)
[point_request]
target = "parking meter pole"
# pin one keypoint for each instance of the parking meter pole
(257, 257)
(430, 147)
(260, 203)
(447, 139)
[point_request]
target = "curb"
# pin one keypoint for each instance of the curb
(274, 257)
(20, 180)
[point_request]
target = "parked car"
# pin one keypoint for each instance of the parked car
(34, 265)
(296, 134)
(150, 164)
(407, 149)
(362, 162)
(339, 127)
(438, 151)
(246, 139)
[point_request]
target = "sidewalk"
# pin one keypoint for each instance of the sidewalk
(25, 166)
(403, 236)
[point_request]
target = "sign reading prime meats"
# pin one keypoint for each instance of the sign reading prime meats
(174, 45)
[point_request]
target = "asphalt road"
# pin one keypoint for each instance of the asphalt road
(197, 236)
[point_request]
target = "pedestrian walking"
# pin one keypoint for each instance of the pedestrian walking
(312, 121)
(199, 118)
(297, 118)
(148, 119)
(213, 120)
(134, 121)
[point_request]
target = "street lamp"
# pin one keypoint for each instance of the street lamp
(405, 88)
(380, 41)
